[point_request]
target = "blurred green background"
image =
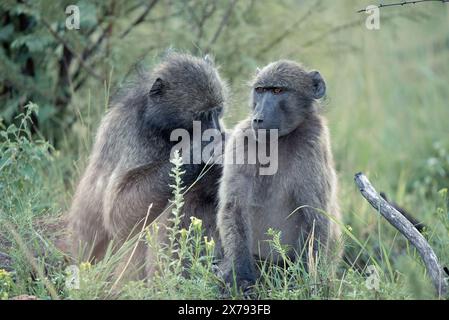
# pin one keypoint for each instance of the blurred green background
(387, 99)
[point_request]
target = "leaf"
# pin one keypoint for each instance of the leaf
(88, 14)
(6, 32)
(32, 42)
(46, 113)
(11, 129)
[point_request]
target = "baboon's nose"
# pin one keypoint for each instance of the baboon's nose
(257, 120)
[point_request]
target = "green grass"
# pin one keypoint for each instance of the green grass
(29, 225)
(387, 110)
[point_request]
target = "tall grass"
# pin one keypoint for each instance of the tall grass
(387, 110)
(185, 260)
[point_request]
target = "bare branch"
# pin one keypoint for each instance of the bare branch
(403, 3)
(73, 52)
(88, 51)
(293, 27)
(165, 17)
(96, 26)
(416, 223)
(32, 260)
(140, 19)
(205, 15)
(223, 23)
(405, 227)
(331, 31)
(339, 28)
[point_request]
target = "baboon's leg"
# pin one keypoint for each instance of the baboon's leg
(132, 265)
(206, 210)
(193, 207)
(235, 233)
(89, 236)
(202, 202)
(129, 207)
(129, 196)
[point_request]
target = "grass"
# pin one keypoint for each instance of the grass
(387, 110)
(185, 263)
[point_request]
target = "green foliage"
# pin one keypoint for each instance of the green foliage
(43, 61)
(386, 104)
(22, 157)
(23, 203)
(5, 284)
(26, 62)
(433, 174)
(184, 264)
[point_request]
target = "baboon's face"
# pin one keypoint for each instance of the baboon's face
(189, 89)
(282, 96)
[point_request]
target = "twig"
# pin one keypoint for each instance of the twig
(404, 226)
(29, 256)
(165, 17)
(73, 52)
(140, 19)
(403, 3)
(223, 23)
(4, 255)
(331, 31)
(205, 15)
(134, 249)
(89, 51)
(288, 30)
(416, 223)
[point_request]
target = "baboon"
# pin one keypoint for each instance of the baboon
(129, 165)
(300, 197)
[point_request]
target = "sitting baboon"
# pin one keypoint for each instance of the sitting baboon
(129, 165)
(300, 197)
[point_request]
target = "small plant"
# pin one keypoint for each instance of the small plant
(164, 253)
(184, 262)
(5, 284)
(434, 172)
(443, 208)
(291, 277)
(21, 158)
(25, 164)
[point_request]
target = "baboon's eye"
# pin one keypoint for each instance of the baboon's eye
(277, 90)
(259, 89)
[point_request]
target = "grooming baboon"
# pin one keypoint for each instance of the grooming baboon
(297, 198)
(129, 166)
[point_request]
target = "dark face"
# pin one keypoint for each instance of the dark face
(210, 119)
(284, 107)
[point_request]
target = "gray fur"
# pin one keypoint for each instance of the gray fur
(251, 203)
(129, 164)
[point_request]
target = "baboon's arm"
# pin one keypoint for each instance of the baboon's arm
(311, 195)
(130, 195)
(235, 234)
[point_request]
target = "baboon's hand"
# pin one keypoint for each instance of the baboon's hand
(237, 275)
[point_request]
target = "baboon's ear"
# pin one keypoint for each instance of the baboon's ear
(257, 70)
(318, 85)
(209, 59)
(157, 87)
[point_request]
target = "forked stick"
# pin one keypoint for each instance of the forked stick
(405, 227)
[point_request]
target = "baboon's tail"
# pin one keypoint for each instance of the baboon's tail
(418, 224)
